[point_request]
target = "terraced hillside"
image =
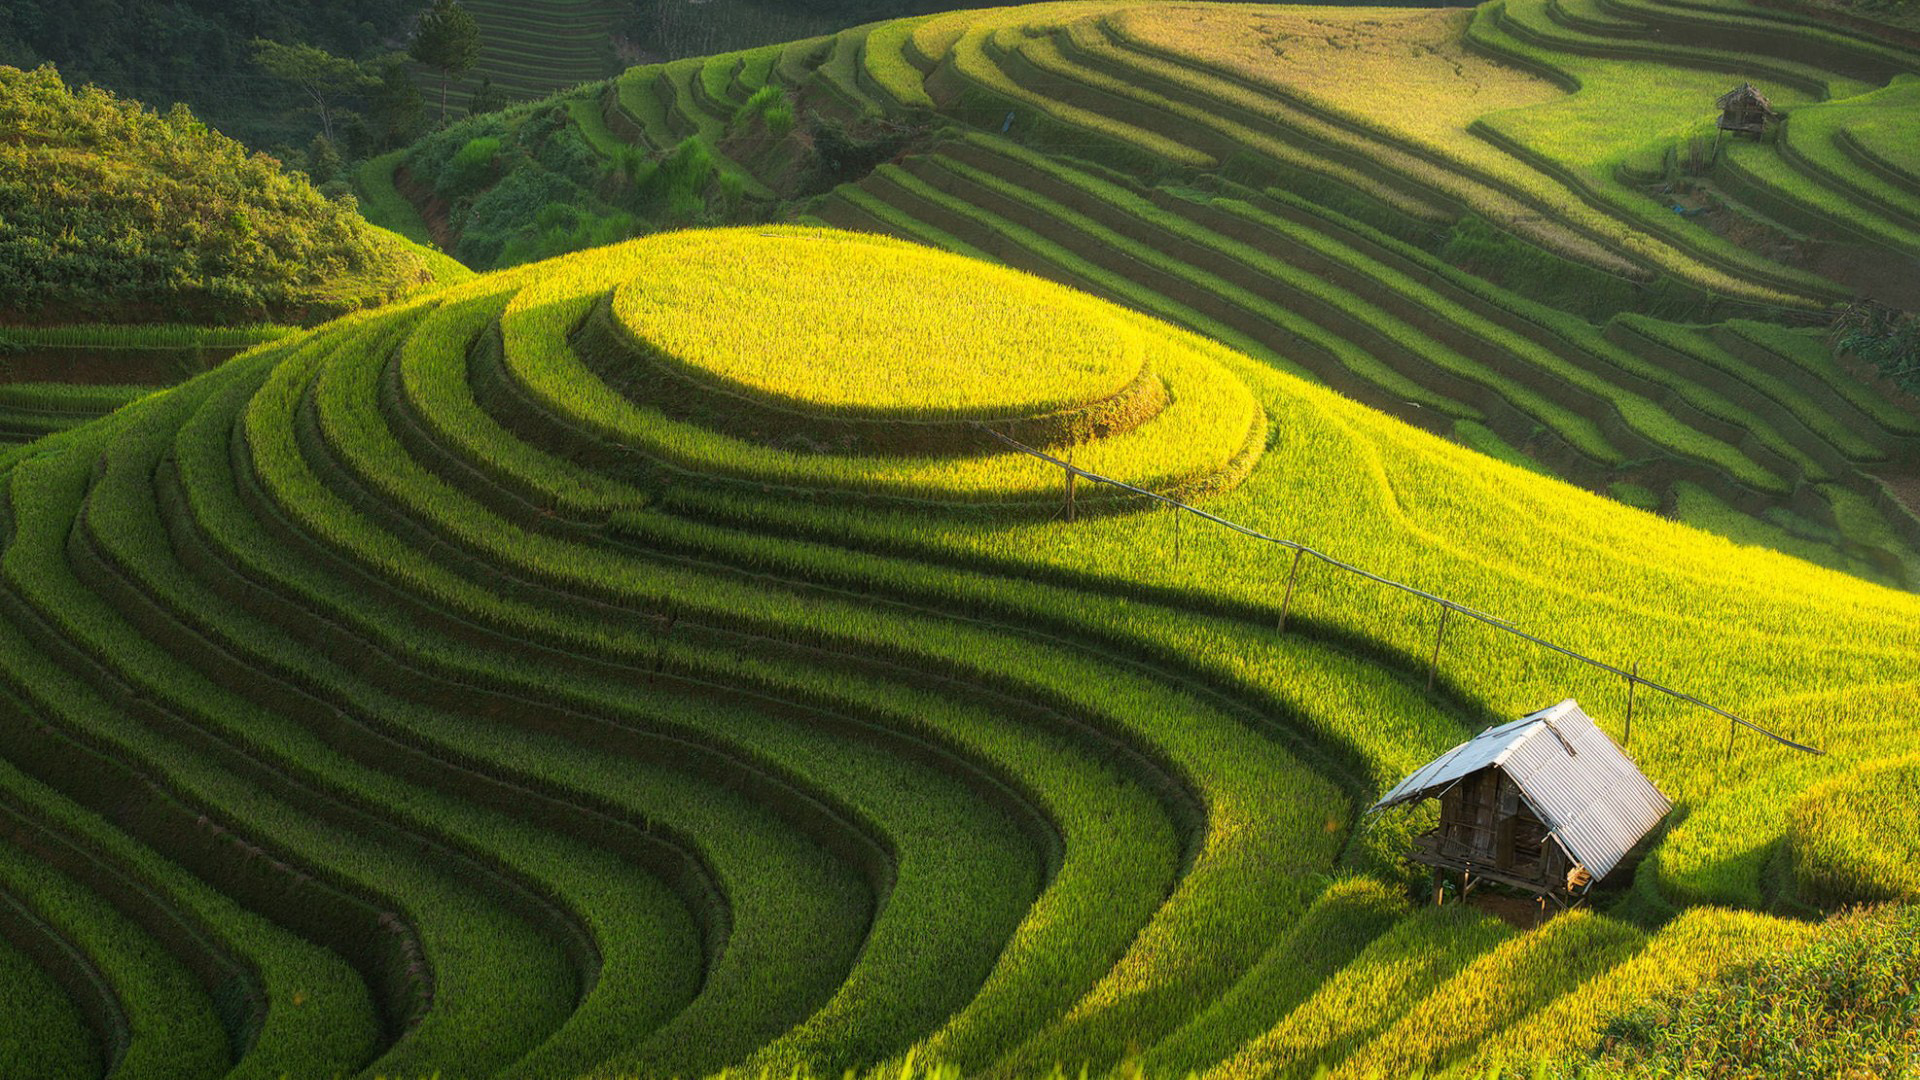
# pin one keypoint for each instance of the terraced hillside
(1512, 226)
(568, 674)
(530, 50)
(56, 377)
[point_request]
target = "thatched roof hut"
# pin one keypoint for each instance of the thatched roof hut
(1745, 109)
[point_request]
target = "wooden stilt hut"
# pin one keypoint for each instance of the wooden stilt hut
(1547, 804)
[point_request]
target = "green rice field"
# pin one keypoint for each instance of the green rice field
(719, 653)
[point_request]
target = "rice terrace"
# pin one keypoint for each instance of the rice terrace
(1132, 540)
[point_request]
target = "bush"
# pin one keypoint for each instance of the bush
(675, 189)
(473, 168)
(510, 207)
(844, 153)
(1884, 337)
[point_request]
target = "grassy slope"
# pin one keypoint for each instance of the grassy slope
(133, 219)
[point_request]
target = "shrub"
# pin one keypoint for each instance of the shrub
(472, 168)
(674, 190)
(1884, 337)
(510, 207)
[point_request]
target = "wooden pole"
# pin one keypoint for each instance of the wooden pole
(1176, 538)
(1433, 663)
(1071, 477)
(1439, 888)
(1725, 756)
(1633, 683)
(1292, 575)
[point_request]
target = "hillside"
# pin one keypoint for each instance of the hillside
(1512, 226)
(138, 250)
(566, 674)
(113, 213)
(530, 50)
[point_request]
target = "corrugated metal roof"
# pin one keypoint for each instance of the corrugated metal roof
(1573, 776)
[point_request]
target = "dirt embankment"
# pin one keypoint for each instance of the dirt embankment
(431, 207)
(102, 365)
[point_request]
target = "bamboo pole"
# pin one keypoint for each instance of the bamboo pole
(1292, 575)
(1433, 662)
(1633, 683)
(1071, 477)
(1725, 756)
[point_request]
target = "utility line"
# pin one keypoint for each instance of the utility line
(1493, 621)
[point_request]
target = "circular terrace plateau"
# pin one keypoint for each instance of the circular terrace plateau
(840, 325)
(812, 359)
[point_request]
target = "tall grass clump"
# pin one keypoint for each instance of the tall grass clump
(779, 118)
(1839, 1007)
(1855, 838)
(764, 102)
(471, 168)
(675, 188)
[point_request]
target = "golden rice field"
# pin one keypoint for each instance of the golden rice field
(487, 709)
(1408, 70)
(661, 661)
(892, 348)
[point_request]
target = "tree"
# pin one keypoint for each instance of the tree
(487, 98)
(393, 104)
(323, 161)
(323, 77)
(446, 39)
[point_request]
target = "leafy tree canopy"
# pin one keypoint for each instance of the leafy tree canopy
(322, 77)
(198, 51)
